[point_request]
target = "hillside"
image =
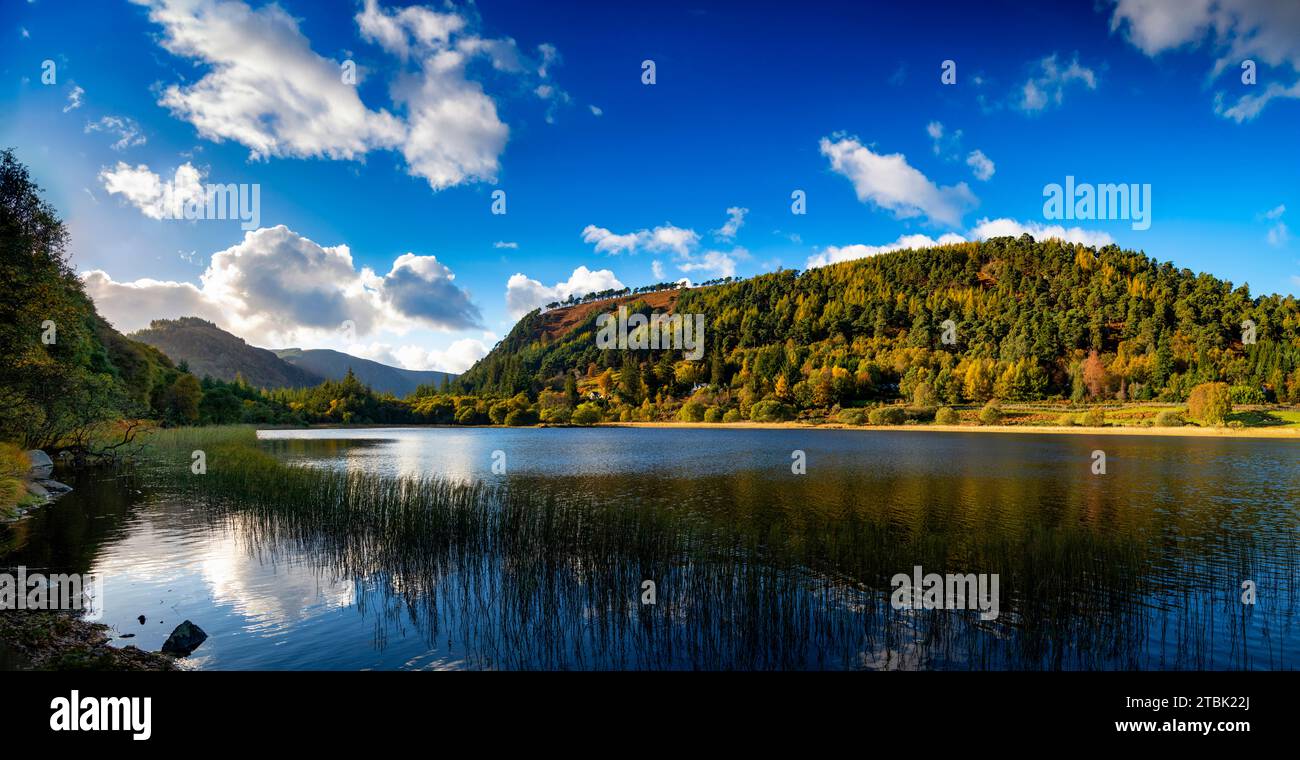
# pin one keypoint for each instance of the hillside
(1032, 320)
(381, 378)
(210, 351)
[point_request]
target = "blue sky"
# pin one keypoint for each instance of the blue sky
(376, 197)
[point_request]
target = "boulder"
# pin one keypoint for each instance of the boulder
(38, 490)
(42, 465)
(185, 639)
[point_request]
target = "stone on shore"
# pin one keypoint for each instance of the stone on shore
(185, 639)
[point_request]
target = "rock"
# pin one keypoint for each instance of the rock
(37, 490)
(54, 486)
(185, 639)
(141, 619)
(42, 465)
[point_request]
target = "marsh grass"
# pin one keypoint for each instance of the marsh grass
(525, 576)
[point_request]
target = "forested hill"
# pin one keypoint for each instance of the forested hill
(210, 351)
(1032, 320)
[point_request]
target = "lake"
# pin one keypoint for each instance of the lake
(754, 566)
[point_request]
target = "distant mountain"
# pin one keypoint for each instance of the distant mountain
(213, 352)
(380, 377)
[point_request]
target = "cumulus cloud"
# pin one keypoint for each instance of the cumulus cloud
(981, 165)
(682, 243)
(126, 130)
(268, 90)
(457, 357)
(1047, 85)
(1002, 227)
(984, 229)
(155, 197)
(276, 287)
(1233, 30)
(523, 294)
(890, 183)
(423, 288)
(665, 237)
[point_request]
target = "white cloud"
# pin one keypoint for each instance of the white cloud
(735, 219)
(1275, 212)
(683, 243)
(596, 111)
(457, 357)
(74, 98)
(717, 263)
(609, 242)
(981, 165)
(665, 237)
(1046, 87)
(1234, 30)
(988, 228)
(276, 287)
(834, 254)
(125, 129)
(265, 88)
(523, 294)
(984, 229)
(156, 198)
(890, 183)
(505, 244)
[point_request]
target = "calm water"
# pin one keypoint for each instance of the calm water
(1138, 568)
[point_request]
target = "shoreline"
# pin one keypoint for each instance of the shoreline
(1179, 432)
(1187, 431)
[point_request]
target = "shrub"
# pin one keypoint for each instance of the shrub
(1094, 418)
(1170, 418)
(771, 410)
(498, 411)
(521, 418)
(467, 415)
(691, 411)
(852, 416)
(713, 414)
(1067, 420)
(920, 413)
(732, 415)
(555, 415)
(1210, 402)
(1245, 394)
(586, 414)
(887, 415)
(991, 414)
(946, 416)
